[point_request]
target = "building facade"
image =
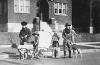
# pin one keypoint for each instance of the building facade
(86, 14)
(13, 12)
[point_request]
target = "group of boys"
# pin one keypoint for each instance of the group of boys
(25, 34)
(68, 39)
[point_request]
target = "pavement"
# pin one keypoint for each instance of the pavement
(90, 56)
(7, 52)
(90, 44)
(86, 59)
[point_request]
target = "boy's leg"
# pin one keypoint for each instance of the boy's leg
(70, 55)
(21, 42)
(53, 52)
(69, 48)
(57, 52)
(20, 55)
(64, 48)
(64, 52)
(53, 55)
(25, 55)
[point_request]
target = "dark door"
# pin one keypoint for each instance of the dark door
(43, 12)
(3, 15)
(81, 15)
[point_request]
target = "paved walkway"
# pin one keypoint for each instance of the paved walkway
(85, 59)
(85, 43)
(6, 49)
(89, 44)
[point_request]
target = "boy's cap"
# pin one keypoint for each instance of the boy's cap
(67, 25)
(23, 23)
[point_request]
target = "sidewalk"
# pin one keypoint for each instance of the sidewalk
(85, 43)
(6, 51)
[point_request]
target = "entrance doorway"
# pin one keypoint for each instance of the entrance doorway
(3, 15)
(43, 11)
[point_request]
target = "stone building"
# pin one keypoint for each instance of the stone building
(86, 13)
(13, 12)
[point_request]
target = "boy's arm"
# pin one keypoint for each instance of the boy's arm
(63, 34)
(52, 40)
(29, 33)
(20, 34)
(58, 37)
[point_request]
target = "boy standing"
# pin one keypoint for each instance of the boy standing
(67, 40)
(55, 43)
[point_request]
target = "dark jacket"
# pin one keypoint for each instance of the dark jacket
(24, 34)
(66, 34)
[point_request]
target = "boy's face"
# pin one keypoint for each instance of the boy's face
(71, 27)
(23, 26)
(68, 27)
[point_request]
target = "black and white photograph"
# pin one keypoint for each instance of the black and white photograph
(49, 32)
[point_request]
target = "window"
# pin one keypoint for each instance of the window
(60, 8)
(64, 8)
(22, 6)
(56, 8)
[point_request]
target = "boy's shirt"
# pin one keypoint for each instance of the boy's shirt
(66, 34)
(55, 37)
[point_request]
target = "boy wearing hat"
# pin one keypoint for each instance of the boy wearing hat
(55, 42)
(67, 39)
(24, 34)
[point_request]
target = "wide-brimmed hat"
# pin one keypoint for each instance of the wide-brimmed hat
(67, 25)
(23, 23)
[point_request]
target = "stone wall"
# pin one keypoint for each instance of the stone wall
(14, 19)
(19, 17)
(60, 18)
